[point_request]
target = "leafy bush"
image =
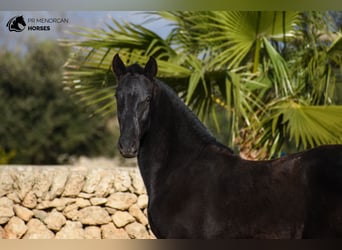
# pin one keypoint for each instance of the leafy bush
(5, 157)
(40, 122)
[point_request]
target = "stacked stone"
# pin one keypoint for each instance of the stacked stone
(67, 202)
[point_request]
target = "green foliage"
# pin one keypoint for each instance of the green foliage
(5, 157)
(272, 74)
(39, 120)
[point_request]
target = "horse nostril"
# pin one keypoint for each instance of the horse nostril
(134, 150)
(128, 149)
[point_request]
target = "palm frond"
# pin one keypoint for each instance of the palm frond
(281, 83)
(234, 34)
(286, 120)
(313, 125)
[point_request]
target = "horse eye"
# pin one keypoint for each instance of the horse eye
(148, 99)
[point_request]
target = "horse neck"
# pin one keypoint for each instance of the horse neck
(174, 138)
(176, 126)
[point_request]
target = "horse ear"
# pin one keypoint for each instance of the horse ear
(118, 67)
(151, 68)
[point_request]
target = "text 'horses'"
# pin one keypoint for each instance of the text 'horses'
(198, 188)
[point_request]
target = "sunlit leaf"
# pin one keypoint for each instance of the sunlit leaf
(313, 125)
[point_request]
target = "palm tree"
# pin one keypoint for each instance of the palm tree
(271, 73)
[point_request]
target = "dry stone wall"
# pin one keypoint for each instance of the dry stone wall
(72, 202)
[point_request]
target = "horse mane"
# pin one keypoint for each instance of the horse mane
(135, 69)
(196, 124)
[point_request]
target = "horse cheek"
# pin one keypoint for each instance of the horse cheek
(144, 122)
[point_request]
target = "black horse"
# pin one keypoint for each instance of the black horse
(198, 188)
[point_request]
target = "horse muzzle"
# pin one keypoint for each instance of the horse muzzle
(128, 149)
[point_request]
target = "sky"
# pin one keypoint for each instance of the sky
(90, 19)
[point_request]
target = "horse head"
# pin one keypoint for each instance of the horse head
(20, 20)
(134, 95)
(13, 24)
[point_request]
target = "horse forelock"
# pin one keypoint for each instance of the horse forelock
(135, 69)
